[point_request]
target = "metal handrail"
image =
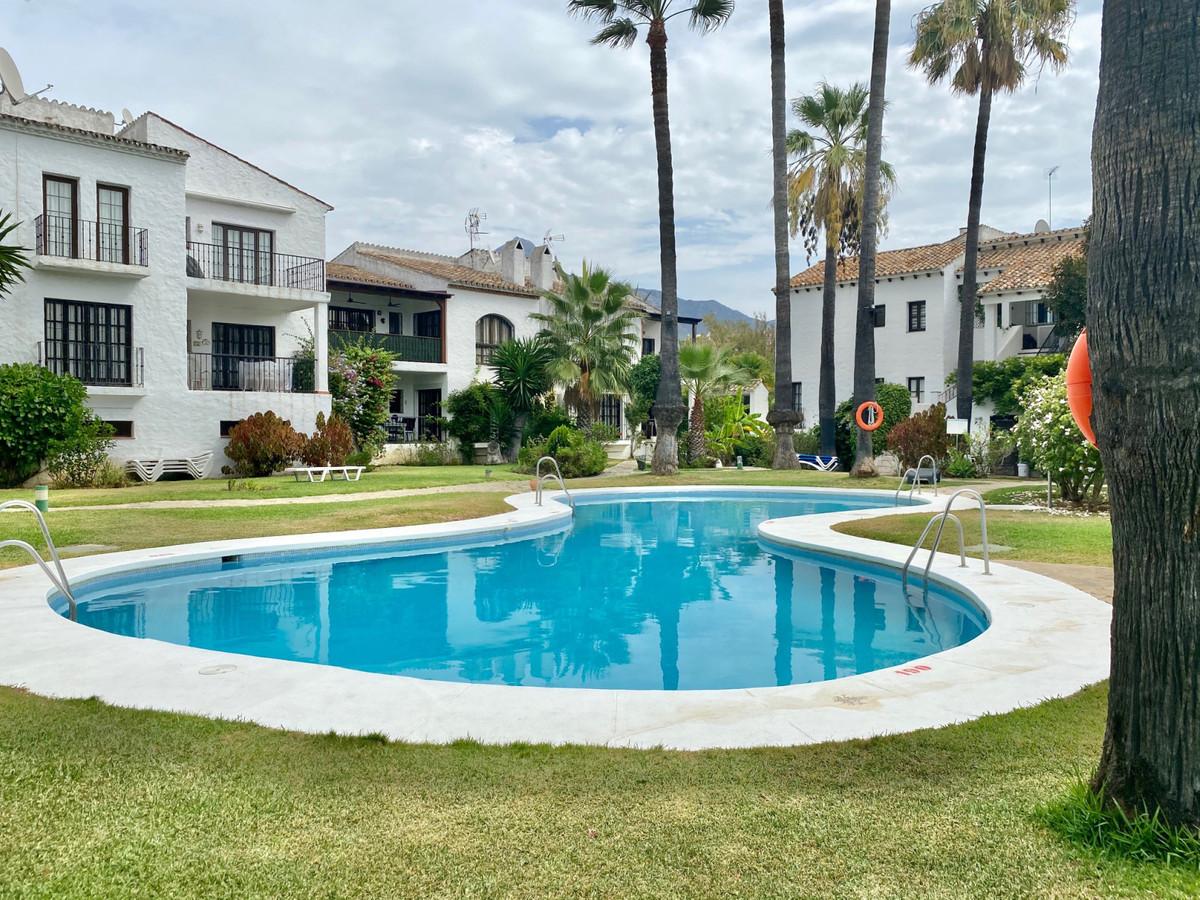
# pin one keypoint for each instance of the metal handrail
(941, 518)
(60, 580)
(556, 474)
(917, 480)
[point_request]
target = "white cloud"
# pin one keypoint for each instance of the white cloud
(405, 115)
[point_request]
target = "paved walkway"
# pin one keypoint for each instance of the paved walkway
(1094, 580)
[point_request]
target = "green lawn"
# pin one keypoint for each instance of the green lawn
(386, 478)
(1033, 536)
(97, 801)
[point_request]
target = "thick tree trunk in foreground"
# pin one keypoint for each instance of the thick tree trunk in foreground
(965, 372)
(669, 408)
(827, 390)
(864, 342)
(1143, 318)
(783, 417)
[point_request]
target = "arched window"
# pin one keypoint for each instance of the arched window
(490, 333)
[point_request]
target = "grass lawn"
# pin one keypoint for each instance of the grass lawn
(1033, 536)
(130, 529)
(97, 801)
(385, 478)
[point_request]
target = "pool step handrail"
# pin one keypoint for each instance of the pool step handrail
(57, 576)
(554, 475)
(940, 519)
(917, 480)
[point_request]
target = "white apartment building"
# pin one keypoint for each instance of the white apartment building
(917, 312)
(177, 281)
(443, 317)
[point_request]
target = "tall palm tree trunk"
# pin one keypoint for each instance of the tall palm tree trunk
(696, 443)
(864, 342)
(966, 314)
(827, 390)
(669, 407)
(1144, 343)
(783, 417)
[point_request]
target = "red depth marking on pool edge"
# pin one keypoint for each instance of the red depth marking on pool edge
(913, 670)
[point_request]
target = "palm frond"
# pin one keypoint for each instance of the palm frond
(709, 15)
(599, 10)
(617, 33)
(13, 257)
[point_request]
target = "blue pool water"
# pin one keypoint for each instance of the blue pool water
(660, 592)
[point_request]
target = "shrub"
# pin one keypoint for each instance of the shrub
(562, 436)
(1050, 439)
(1002, 383)
(478, 414)
(263, 444)
(544, 420)
(360, 458)
(990, 448)
(41, 414)
(754, 449)
(436, 454)
(920, 434)
(82, 463)
(808, 441)
(361, 381)
(603, 433)
(330, 444)
(643, 385)
(960, 465)
(577, 456)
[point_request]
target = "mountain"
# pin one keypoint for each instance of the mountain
(700, 308)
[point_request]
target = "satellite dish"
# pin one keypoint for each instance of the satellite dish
(11, 78)
(1042, 227)
(126, 116)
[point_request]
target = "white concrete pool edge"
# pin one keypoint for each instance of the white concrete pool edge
(1046, 639)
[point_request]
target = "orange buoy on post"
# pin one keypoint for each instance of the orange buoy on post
(1079, 388)
(869, 415)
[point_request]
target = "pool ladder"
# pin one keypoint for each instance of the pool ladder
(940, 520)
(917, 480)
(57, 576)
(554, 475)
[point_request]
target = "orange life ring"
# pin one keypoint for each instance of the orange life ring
(1079, 388)
(860, 415)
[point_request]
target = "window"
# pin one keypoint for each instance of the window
(244, 254)
(610, 411)
(916, 316)
(879, 314)
(999, 315)
(797, 396)
(112, 224)
(916, 389)
(122, 428)
(395, 323)
(344, 318)
(429, 407)
(396, 404)
(428, 324)
(92, 341)
(746, 403)
(234, 345)
(227, 425)
(647, 346)
(60, 200)
(490, 333)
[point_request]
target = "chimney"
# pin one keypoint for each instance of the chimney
(514, 267)
(541, 268)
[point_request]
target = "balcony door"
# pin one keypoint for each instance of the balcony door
(429, 403)
(112, 223)
(233, 346)
(244, 254)
(61, 206)
(91, 341)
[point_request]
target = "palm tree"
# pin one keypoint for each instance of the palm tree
(620, 22)
(864, 326)
(985, 46)
(588, 334)
(523, 376)
(706, 370)
(1144, 343)
(783, 416)
(825, 195)
(12, 257)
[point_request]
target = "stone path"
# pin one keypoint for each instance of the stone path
(1094, 580)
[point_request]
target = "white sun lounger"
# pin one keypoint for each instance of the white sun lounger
(152, 469)
(317, 474)
(820, 463)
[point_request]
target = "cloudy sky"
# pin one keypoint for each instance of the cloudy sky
(403, 115)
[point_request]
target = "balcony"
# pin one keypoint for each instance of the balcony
(64, 242)
(96, 365)
(230, 372)
(262, 268)
(405, 347)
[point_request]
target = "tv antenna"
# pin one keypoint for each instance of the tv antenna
(11, 79)
(1050, 196)
(474, 224)
(550, 237)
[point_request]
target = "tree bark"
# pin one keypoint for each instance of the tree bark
(965, 372)
(864, 343)
(783, 417)
(827, 397)
(1143, 318)
(669, 408)
(696, 442)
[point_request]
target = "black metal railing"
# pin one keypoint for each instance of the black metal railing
(233, 372)
(221, 262)
(406, 347)
(109, 242)
(97, 365)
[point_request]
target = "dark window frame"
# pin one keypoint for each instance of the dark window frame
(797, 396)
(612, 411)
(920, 321)
(87, 356)
(47, 241)
(339, 317)
(124, 228)
(487, 343)
(122, 429)
(647, 346)
(916, 388)
(256, 254)
(879, 315)
(226, 373)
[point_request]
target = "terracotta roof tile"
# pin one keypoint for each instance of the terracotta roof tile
(887, 263)
(451, 270)
(355, 275)
(1026, 266)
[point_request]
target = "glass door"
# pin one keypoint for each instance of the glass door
(246, 254)
(112, 223)
(61, 237)
(238, 350)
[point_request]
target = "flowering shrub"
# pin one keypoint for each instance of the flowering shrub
(330, 444)
(1049, 438)
(923, 433)
(361, 381)
(263, 444)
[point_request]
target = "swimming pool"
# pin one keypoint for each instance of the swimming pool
(662, 591)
